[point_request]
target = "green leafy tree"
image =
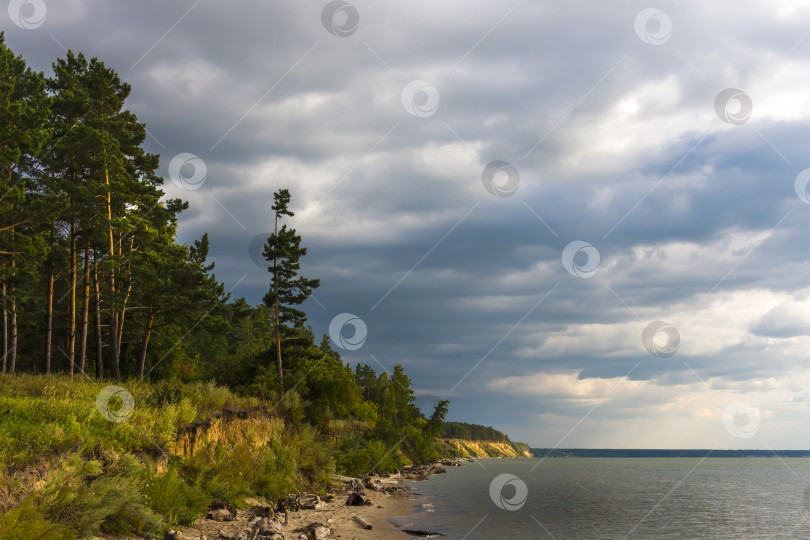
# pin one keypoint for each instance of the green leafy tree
(288, 289)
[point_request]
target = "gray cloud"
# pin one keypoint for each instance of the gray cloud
(617, 143)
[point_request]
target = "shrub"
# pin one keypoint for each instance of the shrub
(27, 522)
(372, 455)
(166, 392)
(89, 498)
(315, 460)
(169, 495)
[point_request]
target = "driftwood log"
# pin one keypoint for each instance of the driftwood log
(363, 523)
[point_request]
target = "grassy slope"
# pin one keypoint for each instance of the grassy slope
(69, 472)
(43, 416)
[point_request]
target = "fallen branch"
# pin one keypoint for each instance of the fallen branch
(363, 523)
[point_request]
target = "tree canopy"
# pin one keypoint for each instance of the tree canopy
(91, 262)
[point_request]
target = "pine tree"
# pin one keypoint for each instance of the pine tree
(178, 287)
(23, 114)
(112, 187)
(283, 252)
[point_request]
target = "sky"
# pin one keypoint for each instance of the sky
(584, 223)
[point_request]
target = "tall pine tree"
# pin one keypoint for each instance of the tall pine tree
(23, 115)
(283, 252)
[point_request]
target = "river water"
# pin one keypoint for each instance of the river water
(616, 498)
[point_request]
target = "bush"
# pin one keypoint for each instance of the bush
(27, 522)
(362, 457)
(275, 477)
(90, 498)
(170, 496)
(233, 473)
(381, 457)
(210, 398)
(315, 462)
(166, 392)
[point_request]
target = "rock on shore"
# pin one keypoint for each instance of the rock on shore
(358, 509)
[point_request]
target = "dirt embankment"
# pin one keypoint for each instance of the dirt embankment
(481, 449)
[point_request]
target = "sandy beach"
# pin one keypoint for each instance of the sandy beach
(387, 498)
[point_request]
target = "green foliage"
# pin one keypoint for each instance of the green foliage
(314, 460)
(381, 456)
(233, 473)
(167, 392)
(522, 448)
(326, 384)
(93, 490)
(369, 456)
(47, 415)
(278, 466)
(170, 496)
(292, 407)
(28, 522)
(283, 253)
(91, 498)
(87, 236)
(471, 432)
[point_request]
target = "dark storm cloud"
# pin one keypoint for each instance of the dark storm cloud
(616, 141)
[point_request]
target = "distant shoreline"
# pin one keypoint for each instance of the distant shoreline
(650, 453)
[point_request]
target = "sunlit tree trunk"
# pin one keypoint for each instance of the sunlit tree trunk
(277, 320)
(85, 308)
(72, 300)
(49, 310)
(5, 328)
(99, 347)
(114, 352)
(145, 344)
(125, 300)
(12, 357)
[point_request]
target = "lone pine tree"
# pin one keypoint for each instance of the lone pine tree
(283, 251)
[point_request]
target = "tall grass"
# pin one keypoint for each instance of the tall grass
(42, 416)
(103, 476)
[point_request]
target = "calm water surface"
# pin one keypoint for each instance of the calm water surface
(611, 499)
